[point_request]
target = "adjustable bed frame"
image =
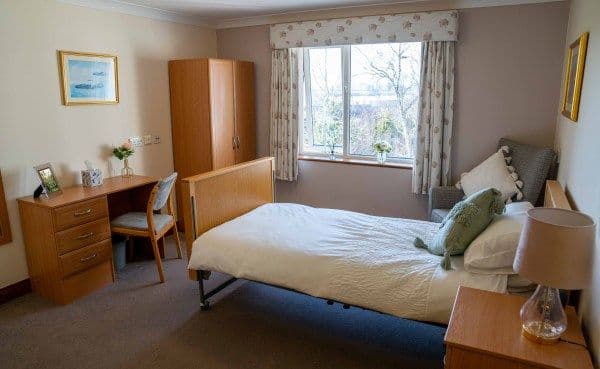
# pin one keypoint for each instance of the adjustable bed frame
(216, 197)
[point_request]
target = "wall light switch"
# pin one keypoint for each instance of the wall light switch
(157, 139)
(148, 139)
(136, 141)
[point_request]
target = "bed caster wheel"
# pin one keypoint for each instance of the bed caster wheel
(329, 302)
(346, 306)
(205, 306)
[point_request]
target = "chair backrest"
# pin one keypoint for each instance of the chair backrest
(164, 190)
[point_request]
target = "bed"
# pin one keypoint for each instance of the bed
(352, 258)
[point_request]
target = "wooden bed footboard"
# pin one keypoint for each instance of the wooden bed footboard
(213, 198)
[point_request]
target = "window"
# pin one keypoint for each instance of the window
(358, 95)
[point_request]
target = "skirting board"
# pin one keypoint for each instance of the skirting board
(15, 290)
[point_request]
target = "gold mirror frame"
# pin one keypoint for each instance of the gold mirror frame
(574, 77)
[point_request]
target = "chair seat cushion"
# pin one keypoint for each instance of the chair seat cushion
(437, 215)
(138, 220)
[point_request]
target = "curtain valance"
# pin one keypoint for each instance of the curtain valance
(413, 27)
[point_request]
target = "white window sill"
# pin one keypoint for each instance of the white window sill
(372, 163)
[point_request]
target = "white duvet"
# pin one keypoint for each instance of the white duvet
(354, 258)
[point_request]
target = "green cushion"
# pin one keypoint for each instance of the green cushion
(464, 223)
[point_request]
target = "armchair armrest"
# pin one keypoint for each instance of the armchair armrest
(444, 197)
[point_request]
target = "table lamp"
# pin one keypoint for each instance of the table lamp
(555, 251)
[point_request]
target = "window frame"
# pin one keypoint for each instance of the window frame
(346, 65)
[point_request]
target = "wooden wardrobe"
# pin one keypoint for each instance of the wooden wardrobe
(212, 116)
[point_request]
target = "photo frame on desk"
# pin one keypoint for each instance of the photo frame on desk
(5, 232)
(48, 179)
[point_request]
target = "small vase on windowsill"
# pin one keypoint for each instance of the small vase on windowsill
(127, 171)
(382, 148)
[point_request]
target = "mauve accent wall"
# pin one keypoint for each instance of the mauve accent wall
(509, 62)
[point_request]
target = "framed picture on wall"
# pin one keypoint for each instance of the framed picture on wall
(5, 234)
(574, 77)
(48, 179)
(88, 78)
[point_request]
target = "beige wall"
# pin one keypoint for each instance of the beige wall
(509, 62)
(36, 128)
(580, 151)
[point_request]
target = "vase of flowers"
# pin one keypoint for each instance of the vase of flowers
(123, 152)
(382, 148)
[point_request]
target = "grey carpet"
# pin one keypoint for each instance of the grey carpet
(139, 323)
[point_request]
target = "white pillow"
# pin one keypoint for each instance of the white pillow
(517, 207)
(493, 251)
(493, 172)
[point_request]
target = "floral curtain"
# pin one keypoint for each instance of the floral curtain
(412, 27)
(436, 111)
(285, 103)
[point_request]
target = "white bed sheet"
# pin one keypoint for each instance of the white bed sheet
(355, 258)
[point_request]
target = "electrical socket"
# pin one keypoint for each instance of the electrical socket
(136, 141)
(148, 139)
(157, 139)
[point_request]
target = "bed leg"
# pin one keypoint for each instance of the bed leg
(204, 303)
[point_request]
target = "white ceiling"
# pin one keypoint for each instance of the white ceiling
(210, 10)
(236, 13)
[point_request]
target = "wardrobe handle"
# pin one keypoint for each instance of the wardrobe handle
(238, 141)
(233, 139)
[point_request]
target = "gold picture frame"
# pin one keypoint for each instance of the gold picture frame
(48, 179)
(88, 78)
(574, 77)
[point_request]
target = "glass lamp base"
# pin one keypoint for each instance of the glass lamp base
(530, 332)
(543, 317)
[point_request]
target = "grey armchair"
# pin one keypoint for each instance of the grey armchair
(534, 166)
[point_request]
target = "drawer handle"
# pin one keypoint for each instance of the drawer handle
(93, 256)
(84, 236)
(82, 213)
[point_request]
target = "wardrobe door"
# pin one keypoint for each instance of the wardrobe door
(245, 125)
(222, 112)
(190, 121)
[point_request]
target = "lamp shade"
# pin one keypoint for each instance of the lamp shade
(556, 248)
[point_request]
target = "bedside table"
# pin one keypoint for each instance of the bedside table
(485, 332)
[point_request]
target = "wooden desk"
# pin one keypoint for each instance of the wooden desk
(67, 237)
(485, 332)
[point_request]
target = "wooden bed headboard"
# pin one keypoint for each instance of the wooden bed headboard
(213, 198)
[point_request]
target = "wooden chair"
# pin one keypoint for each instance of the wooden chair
(152, 224)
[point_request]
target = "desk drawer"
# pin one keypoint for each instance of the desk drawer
(83, 235)
(79, 213)
(78, 260)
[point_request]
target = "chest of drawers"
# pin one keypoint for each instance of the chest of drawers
(69, 251)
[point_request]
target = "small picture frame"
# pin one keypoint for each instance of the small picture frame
(48, 178)
(88, 78)
(574, 77)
